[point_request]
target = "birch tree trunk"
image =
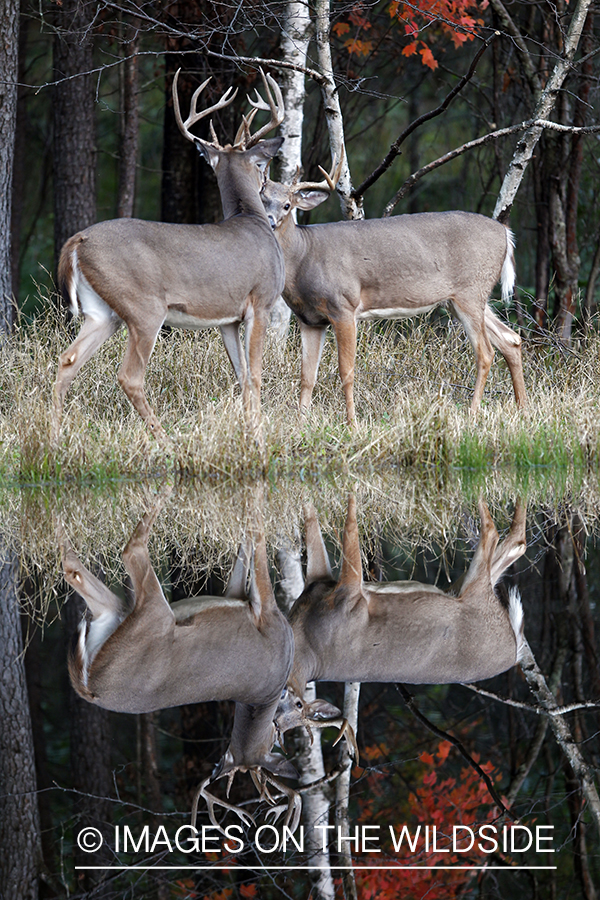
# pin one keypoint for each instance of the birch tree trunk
(351, 208)
(545, 105)
(295, 38)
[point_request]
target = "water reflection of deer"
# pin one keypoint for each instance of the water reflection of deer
(402, 631)
(236, 647)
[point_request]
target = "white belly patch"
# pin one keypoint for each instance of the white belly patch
(395, 312)
(182, 320)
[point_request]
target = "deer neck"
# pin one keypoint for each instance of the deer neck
(239, 193)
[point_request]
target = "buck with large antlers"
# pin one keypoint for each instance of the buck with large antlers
(149, 274)
(237, 647)
(405, 631)
(342, 272)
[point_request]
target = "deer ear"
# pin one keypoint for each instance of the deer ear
(279, 765)
(211, 154)
(264, 152)
(321, 711)
(310, 199)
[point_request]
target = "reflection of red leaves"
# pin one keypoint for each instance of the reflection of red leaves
(341, 28)
(460, 799)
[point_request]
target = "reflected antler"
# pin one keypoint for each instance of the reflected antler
(261, 779)
(293, 711)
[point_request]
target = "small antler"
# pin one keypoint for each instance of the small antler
(194, 115)
(274, 105)
(331, 178)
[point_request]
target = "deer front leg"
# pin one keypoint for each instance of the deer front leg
(256, 330)
(313, 341)
(345, 335)
(131, 375)
(231, 339)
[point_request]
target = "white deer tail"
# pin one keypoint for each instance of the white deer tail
(517, 619)
(508, 274)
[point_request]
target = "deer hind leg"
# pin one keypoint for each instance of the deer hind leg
(345, 335)
(92, 335)
(313, 341)
(470, 313)
(514, 544)
(131, 376)
(479, 572)
(508, 343)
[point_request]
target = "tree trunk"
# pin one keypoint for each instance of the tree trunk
(9, 30)
(351, 208)
(545, 105)
(74, 128)
(295, 37)
(20, 847)
(129, 124)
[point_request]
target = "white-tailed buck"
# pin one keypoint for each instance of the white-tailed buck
(238, 647)
(404, 631)
(342, 272)
(148, 274)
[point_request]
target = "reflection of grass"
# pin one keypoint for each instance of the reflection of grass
(413, 385)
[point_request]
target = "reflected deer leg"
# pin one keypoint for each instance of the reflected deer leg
(514, 544)
(91, 336)
(313, 341)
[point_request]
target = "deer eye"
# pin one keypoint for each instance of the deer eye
(287, 206)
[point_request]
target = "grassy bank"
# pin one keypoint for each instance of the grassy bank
(413, 388)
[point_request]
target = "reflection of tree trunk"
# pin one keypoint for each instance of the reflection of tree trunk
(308, 758)
(342, 789)
(90, 763)
(20, 848)
(34, 674)
(18, 185)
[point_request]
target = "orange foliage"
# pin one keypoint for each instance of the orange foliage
(424, 22)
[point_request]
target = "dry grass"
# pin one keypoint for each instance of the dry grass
(413, 388)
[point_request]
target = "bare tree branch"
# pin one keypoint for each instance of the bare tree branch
(395, 148)
(478, 142)
(409, 700)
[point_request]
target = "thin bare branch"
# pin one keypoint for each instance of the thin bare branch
(395, 148)
(409, 700)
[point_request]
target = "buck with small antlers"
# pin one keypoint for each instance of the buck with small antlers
(149, 274)
(342, 272)
(237, 647)
(405, 631)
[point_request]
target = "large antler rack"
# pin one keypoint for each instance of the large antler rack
(274, 104)
(194, 115)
